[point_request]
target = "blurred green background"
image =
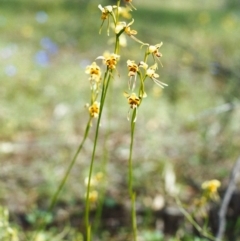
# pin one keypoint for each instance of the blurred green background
(189, 131)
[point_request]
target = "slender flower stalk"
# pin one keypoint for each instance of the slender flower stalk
(111, 65)
(134, 216)
(42, 223)
(62, 183)
(87, 206)
(130, 177)
(202, 231)
(130, 170)
(142, 71)
(104, 162)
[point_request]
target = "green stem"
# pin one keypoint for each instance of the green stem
(98, 214)
(55, 196)
(42, 223)
(130, 154)
(118, 5)
(89, 233)
(116, 45)
(104, 161)
(130, 177)
(133, 214)
(192, 221)
(107, 79)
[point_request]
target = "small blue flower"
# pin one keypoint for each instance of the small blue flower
(49, 45)
(42, 58)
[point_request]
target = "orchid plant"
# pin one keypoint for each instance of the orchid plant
(100, 78)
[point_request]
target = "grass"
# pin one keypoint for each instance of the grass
(42, 114)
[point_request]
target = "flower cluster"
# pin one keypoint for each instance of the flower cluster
(200, 205)
(143, 71)
(95, 80)
(210, 189)
(136, 70)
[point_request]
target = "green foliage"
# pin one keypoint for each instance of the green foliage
(7, 233)
(37, 215)
(152, 235)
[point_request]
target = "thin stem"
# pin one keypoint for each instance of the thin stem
(118, 5)
(130, 177)
(133, 214)
(89, 233)
(116, 48)
(104, 162)
(192, 221)
(146, 56)
(55, 196)
(107, 79)
(116, 45)
(101, 194)
(42, 223)
(130, 153)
